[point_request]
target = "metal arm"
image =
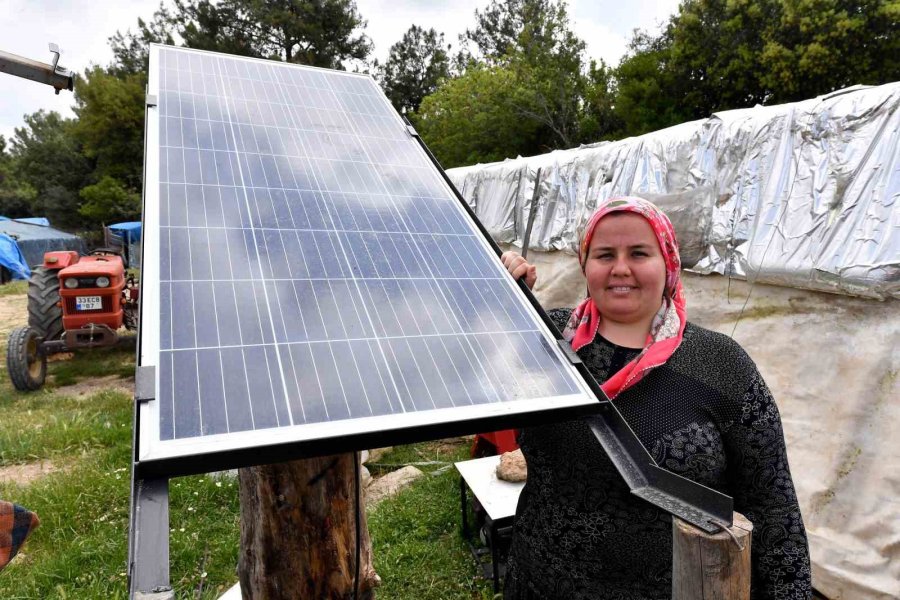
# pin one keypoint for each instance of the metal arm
(54, 75)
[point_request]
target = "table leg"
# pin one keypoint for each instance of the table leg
(495, 555)
(462, 504)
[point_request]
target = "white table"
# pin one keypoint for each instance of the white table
(498, 498)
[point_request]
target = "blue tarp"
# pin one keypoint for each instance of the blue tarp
(34, 240)
(11, 258)
(130, 234)
(132, 228)
(33, 220)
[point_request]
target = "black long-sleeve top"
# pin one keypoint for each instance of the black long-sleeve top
(706, 415)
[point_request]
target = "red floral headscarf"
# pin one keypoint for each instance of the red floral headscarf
(667, 329)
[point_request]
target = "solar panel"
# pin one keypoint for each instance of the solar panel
(311, 283)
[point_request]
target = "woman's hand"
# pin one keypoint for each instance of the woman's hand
(519, 267)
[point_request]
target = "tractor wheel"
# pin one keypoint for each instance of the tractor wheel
(44, 311)
(27, 367)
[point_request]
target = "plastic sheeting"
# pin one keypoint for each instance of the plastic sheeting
(11, 258)
(130, 235)
(33, 220)
(803, 195)
(34, 240)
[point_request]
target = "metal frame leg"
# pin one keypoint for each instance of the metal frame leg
(148, 544)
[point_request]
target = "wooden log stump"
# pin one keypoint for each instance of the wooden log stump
(711, 567)
(298, 531)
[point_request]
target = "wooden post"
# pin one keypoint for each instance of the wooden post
(298, 531)
(711, 567)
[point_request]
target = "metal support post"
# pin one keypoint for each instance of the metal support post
(148, 544)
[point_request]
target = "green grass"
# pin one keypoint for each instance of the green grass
(418, 550)
(61, 427)
(94, 362)
(14, 288)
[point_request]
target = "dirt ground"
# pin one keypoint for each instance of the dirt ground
(28, 473)
(13, 312)
(92, 386)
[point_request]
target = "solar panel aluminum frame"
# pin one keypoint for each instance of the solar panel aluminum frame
(157, 458)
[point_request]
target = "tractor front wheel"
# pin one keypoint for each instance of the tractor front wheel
(26, 365)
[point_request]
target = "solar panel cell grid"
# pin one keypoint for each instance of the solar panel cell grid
(313, 266)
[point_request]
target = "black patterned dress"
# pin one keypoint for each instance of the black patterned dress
(707, 415)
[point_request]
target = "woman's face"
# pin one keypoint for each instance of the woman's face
(625, 269)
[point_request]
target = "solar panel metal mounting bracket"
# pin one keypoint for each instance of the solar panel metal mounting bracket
(148, 550)
(566, 348)
(145, 384)
(697, 504)
(151, 100)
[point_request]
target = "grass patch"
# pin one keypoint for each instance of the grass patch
(419, 552)
(14, 288)
(93, 362)
(60, 426)
(80, 549)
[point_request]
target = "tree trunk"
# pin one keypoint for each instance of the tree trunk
(298, 531)
(711, 567)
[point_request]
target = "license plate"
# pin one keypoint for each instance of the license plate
(88, 303)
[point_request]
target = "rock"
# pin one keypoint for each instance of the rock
(512, 467)
(375, 454)
(390, 484)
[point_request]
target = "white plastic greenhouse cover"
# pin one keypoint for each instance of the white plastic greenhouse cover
(802, 195)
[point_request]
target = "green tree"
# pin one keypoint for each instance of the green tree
(323, 33)
(110, 125)
(16, 196)
(598, 117)
(823, 45)
(508, 27)
(48, 160)
(477, 117)
(131, 50)
(414, 67)
(548, 62)
(722, 54)
(533, 40)
(109, 201)
(646, 97)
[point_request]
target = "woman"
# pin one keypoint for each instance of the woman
(693, 397)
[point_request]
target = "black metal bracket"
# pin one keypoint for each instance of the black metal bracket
(145, 383)
(697, 504)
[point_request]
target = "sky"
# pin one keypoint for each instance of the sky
(81, 28)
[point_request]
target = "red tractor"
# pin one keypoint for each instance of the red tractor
(73, 302)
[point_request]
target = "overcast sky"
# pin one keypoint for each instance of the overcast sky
(81, 29)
